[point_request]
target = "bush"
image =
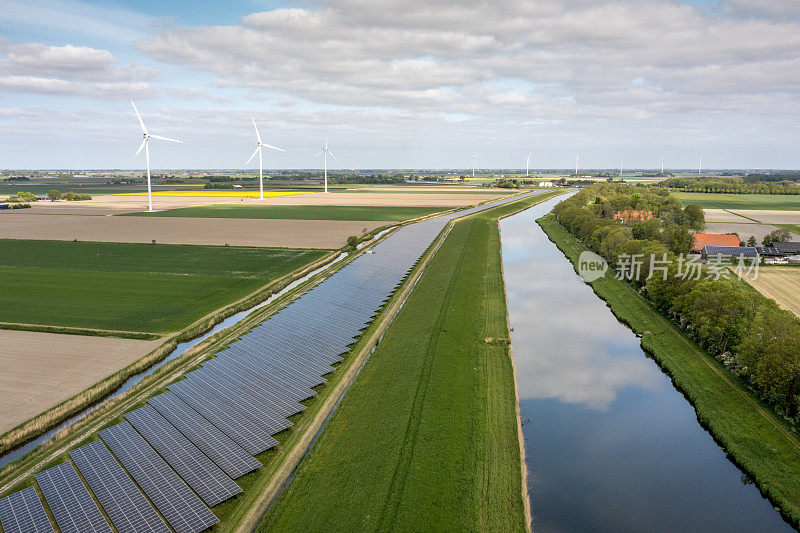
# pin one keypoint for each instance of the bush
(73, 196)
(54, 195)
(26, 196)
(352, 241)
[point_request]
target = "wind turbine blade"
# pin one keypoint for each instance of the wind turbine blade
(252, 156)
(273, 147)
(258, 135)
(140, 148)
(320, 153)
(333, 156)
(141, 122)
(159, 137)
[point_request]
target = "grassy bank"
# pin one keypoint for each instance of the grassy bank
(426, 437)
(297, 212)
(763, 444)
(131, 287)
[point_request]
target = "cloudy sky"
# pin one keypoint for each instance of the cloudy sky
(402, 83)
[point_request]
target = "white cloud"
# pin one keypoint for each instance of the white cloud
(75, 70)
(575, 59)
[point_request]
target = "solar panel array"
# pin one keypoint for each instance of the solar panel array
(124, 503)
(71, 504)
(22, 512)
(187, 446)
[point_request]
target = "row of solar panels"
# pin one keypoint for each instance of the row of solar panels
(179, 455)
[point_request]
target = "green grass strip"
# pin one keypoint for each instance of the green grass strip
(138, 335)
(763, 444)
(426, 437)
(297, 212)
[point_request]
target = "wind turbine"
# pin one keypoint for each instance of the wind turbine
(662, 165)
(324, 152)
(261, 158)
(700, 168)
(528, 163)
(146, 145)
(473, 165)
(576, 164)
(620, 165)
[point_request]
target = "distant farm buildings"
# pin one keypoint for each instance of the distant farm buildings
(701, 240)
(633, 215)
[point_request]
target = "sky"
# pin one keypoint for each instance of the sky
(402, 83)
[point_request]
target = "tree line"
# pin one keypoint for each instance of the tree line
(746, 331)
(752, 184)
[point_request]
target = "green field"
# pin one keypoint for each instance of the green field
(783, 202)
(766, 447)
(297, 212)
(426, 437)
(794, 228)
(132, 287)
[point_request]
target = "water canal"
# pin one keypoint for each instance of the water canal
(610, 444)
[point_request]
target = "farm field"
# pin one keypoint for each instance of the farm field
(794, 228)
(758, 440)
(330, 234)
(202, 193)
(299, 212)
(45, 369)
(745, 231)
(131, 287)
(426, 437)
(770, 216)
(738, 202)
(780, 283)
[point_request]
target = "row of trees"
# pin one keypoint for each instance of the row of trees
(746, 185)
(69, 196)
(748, 332)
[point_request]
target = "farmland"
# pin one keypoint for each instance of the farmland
(782, 284)
(46, 368)
(426, 437)
(298, 212)
(206, 231)
(752, 434)
(741, 201)
(132, 287)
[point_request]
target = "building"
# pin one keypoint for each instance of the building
(701, 240)
(728, 253)
(787, 248)
(633, 215)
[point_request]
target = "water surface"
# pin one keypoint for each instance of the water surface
(610, 444)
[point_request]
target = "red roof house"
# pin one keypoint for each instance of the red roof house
(701, 240)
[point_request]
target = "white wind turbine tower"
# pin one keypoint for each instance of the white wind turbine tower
(473, 164)
(700, 168)
(324, 152)
(528, 163)
(662, 165)
(261, 158)
(146, 145)
(576, 163)
(620, 165)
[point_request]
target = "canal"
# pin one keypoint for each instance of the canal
(610, 444)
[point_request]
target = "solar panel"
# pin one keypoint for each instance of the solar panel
(124, 503)
(71, 504)
(251, 439)
(197, 470)
(23, 512)
(225, 453)
(184, 511)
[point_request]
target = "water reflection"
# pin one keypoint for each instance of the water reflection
(611, 445)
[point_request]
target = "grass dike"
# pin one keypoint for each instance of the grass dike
(753, 436)
(427, 436)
